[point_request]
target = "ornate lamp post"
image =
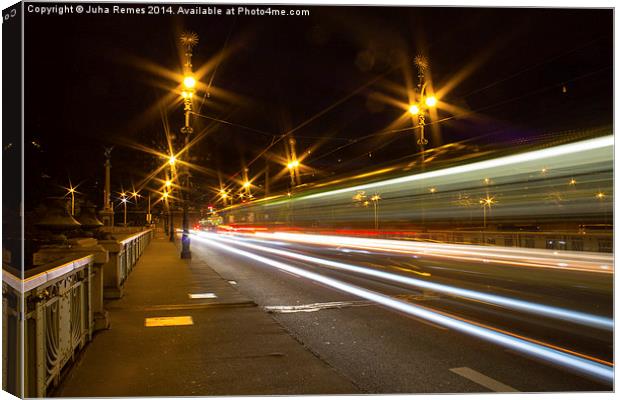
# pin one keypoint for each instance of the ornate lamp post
(169, 207)
(124, 201)
(423, 102)
(188, 41)
(71, 191)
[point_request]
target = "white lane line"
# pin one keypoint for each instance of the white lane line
(290, 273)
(443, 328)
(316, 306)
(202, 295)
(483, 380)
(596, 370)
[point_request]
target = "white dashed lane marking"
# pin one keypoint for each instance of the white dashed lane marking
(483, 380)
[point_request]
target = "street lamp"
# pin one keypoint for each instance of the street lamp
(424, 102)
(124, 201)
(188, 40)
(72, 193)
(486, 202)
(431, 101)
(172, 160)
(293, 167)
(375, 202)
(293, 164)
(189, 83)
(167, 190)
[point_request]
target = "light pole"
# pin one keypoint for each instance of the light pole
(170, 216)
(486, 202)
(72, 193)
(188, 40)
(167, 208)
(375, 202)
(420, 108)
(224, 196)
(148, 210)
(135, 195)
(293, 168)
(124, 201)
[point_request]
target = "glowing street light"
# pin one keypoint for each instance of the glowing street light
(431, 101)
(188, 41)
(424, 101)
(486, 202)
(375, 202)
(124, 201)
(246, 184)
(293, 164)
(168, 183)
(172, 159)
(189, 82)
(71, 191)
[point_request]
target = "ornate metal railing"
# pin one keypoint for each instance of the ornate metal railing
(49, 315)
(52, 307)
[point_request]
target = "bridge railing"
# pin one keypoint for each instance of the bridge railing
(123, 257)
(50, 314)
(51, 310)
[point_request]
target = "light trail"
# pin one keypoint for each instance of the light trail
(578, 364)
(549, 311)
(537, 155)
(577, 261)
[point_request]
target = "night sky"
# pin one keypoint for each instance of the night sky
(88, 85)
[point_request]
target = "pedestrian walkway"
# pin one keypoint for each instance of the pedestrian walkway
(213, 346)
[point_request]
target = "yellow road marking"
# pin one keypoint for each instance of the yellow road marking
(168, 321)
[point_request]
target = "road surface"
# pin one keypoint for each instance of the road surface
(558, 303)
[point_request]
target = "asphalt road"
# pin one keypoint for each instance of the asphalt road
(383, 350)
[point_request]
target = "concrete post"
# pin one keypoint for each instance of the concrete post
(113, 270)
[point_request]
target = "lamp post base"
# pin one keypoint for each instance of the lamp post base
(186, 254)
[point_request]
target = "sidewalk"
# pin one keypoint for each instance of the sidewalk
(232, 347)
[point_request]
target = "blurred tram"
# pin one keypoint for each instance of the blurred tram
(556, 197)
(211, 222)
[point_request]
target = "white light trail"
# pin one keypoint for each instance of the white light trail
(577, 261)
(581, 365)
(526, 306)
(562, 150)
